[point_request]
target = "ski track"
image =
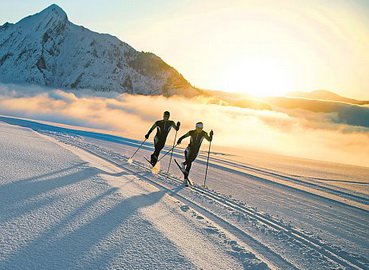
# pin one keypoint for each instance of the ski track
(62, 208)
(361, 202)
(331, 223)
(284, 230)
(274, 240)
(344, 197)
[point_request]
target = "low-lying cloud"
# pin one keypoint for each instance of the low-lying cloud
(305, 134)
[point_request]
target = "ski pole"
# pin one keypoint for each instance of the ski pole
(130, 159)
(174, 146)
(171, 154)
(207, 164)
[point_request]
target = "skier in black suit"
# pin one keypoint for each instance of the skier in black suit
(192, 150)
(162, 130)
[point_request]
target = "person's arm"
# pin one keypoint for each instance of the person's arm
(184, 136)
(176, 127)
(151, 129)
(209, 138)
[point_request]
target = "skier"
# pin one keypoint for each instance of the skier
(192, 150)
(163, 127)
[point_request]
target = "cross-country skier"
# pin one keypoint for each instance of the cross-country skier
(192, 150)
(163, 127)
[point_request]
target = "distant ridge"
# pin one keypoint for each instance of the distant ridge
(339, 109)
(326, 95)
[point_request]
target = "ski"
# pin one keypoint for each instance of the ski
(148, 161)
(187, 181)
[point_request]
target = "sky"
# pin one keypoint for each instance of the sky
(259, 47)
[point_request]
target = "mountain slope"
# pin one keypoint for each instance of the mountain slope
(47, 49)
(326, 95)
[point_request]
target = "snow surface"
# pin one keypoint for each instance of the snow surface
(47, 49)
(62, 208)
(248, 218)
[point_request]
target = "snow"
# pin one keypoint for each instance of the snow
(65, 208)
(47, 49)
(245, 219)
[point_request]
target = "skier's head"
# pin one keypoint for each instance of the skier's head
(199, 126)
(166, 115)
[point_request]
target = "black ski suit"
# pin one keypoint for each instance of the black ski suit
(162, 130)
(193, 148)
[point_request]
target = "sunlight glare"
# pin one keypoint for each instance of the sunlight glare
(257, 77)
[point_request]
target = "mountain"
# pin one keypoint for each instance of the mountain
(326, 95)
(47, 49)
(338, 111)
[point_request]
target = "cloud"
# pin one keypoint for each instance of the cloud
(313, 135)
(337, 112)
(354, 115)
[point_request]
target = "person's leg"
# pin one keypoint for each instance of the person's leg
(188, 168)
(186, 155)
(190, 157)
(154, 156)
(159, 144)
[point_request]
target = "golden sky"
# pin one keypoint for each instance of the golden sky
(266, 47)
(262, 47)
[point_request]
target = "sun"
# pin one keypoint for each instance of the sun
(258, 77)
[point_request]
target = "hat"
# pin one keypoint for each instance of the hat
(199, 125)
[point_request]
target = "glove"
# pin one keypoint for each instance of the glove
(147, 136)
(178, 125)
(179, 141)
(211, 135)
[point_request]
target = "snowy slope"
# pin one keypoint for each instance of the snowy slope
(286, 222)
(63, 208)
(47, 49)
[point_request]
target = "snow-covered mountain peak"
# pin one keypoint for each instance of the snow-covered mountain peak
(47, 49)
(48, 19)
(54, 11)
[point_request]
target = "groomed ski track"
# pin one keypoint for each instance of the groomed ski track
(270, 238)
(263, 251)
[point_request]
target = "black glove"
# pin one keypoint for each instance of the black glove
(147, 136)
(211, 135)
(179, 141)
(178, 125)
